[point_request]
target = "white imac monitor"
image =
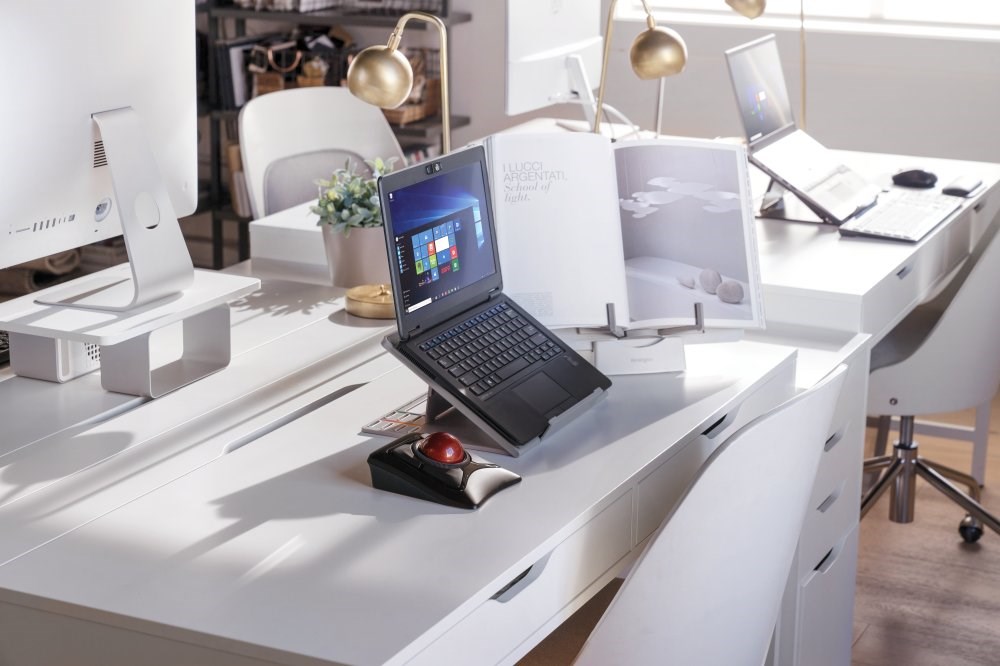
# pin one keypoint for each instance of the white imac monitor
(554, 51)
(100, 115)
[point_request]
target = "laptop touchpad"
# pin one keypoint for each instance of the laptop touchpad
(542, 393)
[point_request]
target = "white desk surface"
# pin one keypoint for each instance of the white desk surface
(73, 451)
(803, 263)
(282, 548)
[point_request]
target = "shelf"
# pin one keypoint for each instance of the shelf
(427, 128)
(328, 17)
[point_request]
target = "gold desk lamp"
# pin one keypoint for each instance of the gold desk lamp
(658, 52)
(382, 76)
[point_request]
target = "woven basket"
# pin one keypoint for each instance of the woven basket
(408, 113)
(307, 81)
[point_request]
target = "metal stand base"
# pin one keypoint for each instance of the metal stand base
(899, 474)
(126, 367)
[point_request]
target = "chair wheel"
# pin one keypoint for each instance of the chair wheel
(970, 529)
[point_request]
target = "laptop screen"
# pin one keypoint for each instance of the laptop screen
(439, 231)
(759, 86)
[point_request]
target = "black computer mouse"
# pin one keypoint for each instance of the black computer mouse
(914, 178)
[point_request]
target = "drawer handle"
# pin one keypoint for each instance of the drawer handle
(520, 581)
(828, 560)
(978, 207)
(831, 499)
(724, 422)
(833, 440)
(903, 272)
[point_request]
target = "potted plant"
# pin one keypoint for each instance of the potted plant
(351, 219)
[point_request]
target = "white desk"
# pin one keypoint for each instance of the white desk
(76, 452)
(163, 545)
(281, 550)
(814, 277)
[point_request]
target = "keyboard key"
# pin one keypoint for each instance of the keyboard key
(512, 368)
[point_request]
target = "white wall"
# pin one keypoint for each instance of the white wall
(883, 93)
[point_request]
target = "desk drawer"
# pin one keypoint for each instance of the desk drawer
(826, 608)
(513, 616)
(912, 282)
(659, 490)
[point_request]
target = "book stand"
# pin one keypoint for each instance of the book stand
(645, 350)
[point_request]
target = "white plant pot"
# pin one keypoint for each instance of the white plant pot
(356, 258)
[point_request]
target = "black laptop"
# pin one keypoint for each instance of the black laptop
(456, 329)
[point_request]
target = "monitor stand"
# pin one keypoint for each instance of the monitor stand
(159, 259)
(107, 319)
(585, 93)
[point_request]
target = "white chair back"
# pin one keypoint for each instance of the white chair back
(945, 356)
(291, 138)
(707, 589)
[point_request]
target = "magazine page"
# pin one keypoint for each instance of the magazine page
(557, 223)
(688, 233)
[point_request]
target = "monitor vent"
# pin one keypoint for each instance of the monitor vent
(100, 159)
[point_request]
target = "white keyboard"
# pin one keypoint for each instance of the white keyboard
(903, 215)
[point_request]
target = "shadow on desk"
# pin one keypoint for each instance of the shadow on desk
(277, 298)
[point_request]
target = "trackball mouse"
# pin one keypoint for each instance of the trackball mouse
(437, 468)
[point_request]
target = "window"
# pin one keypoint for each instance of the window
(954, 12)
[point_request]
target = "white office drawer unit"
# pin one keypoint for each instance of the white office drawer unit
(914, 280)
(814, 629)
(826, 597)
(659, 490)
(536, 598)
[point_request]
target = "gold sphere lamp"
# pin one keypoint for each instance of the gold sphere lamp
(656, 52)
(382, 76)
(749, 8)
(659, 52)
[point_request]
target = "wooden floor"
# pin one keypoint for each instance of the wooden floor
(924, 597)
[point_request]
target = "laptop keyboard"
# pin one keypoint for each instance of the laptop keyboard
(489, 348)
(905, 215)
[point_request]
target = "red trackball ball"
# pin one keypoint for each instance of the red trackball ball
(443, 447)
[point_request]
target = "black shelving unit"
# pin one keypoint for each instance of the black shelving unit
(427, 129)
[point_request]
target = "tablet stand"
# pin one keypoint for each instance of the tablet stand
(781, 203)
(434, 411)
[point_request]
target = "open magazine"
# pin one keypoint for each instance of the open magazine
(650, 226)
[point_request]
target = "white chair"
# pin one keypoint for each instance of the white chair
(944, 356)
(291, 138)
(708, 587)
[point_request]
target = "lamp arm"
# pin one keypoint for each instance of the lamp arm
(604, 66)
(650, 23)
(393, 43)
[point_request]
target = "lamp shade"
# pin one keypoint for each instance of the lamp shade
(657, 52)
(749, 8)
(381, 76)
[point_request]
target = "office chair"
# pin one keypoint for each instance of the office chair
(291, 138)
(707, 589)
(943, 357)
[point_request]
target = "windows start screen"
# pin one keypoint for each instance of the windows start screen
(435, 252)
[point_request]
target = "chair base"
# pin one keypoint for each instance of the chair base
(900, 473)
